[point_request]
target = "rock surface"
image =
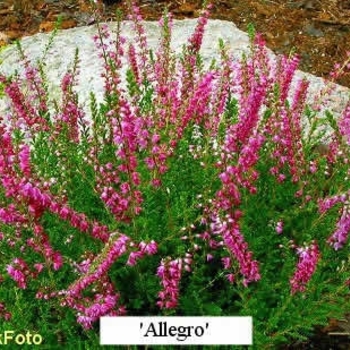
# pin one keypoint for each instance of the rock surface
(60, 56)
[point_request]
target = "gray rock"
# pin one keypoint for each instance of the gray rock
(61, 54)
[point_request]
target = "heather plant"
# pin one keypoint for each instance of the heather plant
(189, 190)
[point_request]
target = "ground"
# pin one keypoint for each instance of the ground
(318, 30)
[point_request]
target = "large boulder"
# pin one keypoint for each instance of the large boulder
(60, 56)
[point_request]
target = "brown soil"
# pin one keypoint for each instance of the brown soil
(318, 30)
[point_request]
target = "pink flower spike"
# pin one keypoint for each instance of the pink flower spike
(341, 234)
(151, 248)
(39, 267)
(279, 227)
(209, 257)
(230, 277)
(308, 259)
(18, 276)
(170, 273)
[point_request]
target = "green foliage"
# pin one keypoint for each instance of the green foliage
(173, 215)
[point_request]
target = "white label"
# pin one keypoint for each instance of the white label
(124, 330)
